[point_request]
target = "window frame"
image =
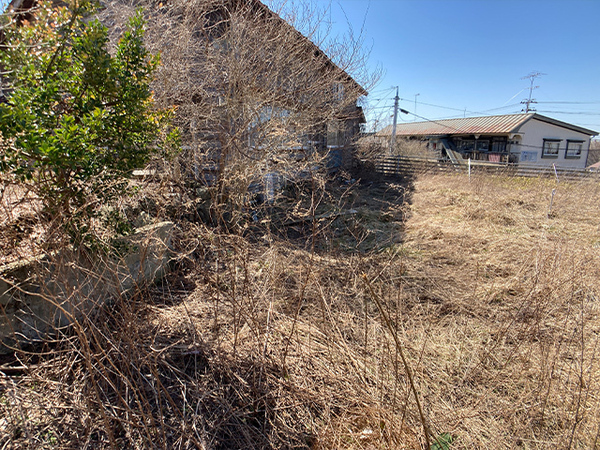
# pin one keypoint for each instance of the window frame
(482, 145)
(577, 142)
(499, 145)
(466, 145)
(544, 149)
(338, 92)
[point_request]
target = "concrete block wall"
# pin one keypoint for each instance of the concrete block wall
(40, 295)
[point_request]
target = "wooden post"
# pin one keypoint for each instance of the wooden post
(551, 201)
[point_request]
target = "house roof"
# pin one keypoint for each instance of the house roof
(486, 125)
(312, 47)
(24, 8)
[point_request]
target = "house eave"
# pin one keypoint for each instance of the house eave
(562, 124)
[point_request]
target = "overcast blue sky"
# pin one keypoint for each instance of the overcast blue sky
(473, 53)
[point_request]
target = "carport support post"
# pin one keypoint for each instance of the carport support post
(469, 170)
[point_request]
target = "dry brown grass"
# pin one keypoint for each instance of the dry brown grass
(506, 308)
(260, 342)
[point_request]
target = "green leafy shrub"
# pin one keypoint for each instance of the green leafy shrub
(78, 119)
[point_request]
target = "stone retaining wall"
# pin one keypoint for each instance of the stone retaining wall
(40, 295)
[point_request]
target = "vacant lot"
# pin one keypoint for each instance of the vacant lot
(260, 341)
(504, 311)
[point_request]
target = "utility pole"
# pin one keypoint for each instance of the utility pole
(416, 95)
(532, 76)
(393, 139)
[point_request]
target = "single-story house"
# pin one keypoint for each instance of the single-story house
(531, 139)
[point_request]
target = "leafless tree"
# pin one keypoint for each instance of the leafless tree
(374, 147)
(255, 98)
(594, 155)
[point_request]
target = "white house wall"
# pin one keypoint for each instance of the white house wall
(533, 134)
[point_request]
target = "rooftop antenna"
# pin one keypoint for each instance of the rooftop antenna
(531, 77)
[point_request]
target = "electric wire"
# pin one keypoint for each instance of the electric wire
(488, 111)
(571, 103)
(583, 113)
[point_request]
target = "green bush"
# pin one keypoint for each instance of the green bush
(78, 119)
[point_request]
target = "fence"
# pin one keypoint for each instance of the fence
(403, 166)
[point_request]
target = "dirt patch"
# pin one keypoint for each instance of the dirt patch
(21, 228)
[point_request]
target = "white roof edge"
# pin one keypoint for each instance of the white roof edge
(562, 124)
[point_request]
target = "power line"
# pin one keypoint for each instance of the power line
(582, 113)
(487, 111)
(382, 90)
(380, 107)
(502, 107)
(463, 109)
(430, 104)
(571, 103)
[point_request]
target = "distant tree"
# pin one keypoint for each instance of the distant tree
(77, 119)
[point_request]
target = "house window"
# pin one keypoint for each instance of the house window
(574, 149)
(528, 156)
(550, 149)
(498, 146)
(335, 134)
(482, 146)
(467, 145)
(338, 92)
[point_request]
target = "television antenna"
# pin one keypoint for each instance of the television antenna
(531, 77)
